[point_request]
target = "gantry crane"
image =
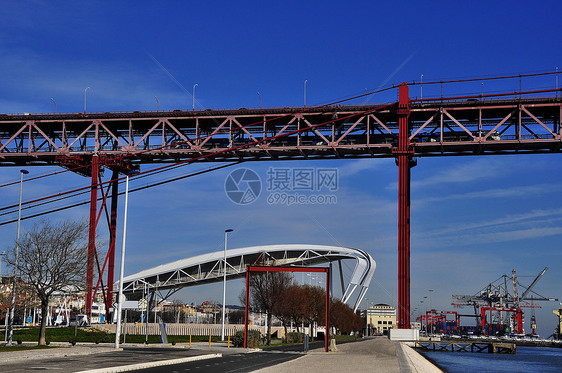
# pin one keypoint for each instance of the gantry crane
(497, 295)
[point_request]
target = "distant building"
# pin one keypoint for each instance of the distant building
(380, 318)
(416, 325)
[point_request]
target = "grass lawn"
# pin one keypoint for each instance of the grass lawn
(20, 348)
(92, 335)
(87, 334)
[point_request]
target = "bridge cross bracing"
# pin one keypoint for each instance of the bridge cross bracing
(451, 127)
(487, 124)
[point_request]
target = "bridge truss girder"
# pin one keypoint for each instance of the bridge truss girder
(343, 131)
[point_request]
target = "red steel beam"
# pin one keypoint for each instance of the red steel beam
(326, 270)
(404, 159)
(92, 236)
(246, 309)
(111, 251)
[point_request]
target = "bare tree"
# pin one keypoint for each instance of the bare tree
(266, 290)
(52, 258)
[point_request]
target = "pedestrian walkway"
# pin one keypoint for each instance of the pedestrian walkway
(377, 354)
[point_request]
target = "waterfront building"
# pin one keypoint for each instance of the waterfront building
(380, 318)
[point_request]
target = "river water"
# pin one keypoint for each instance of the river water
(527, 359)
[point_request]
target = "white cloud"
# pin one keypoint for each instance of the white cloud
(354, 167)
(510, 220)
(481, 168)
(507, 192)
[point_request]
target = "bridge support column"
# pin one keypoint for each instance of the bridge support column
(111, 251)
(92, 236)
(404, 160)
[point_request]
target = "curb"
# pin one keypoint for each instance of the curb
(153, 364)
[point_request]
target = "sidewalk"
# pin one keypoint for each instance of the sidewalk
(62, 350)
(377, 354)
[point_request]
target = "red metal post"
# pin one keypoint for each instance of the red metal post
(112, 235)
(288, 269)
(327, 323)
(404, 155)
(92, 236)
(519, 320)
(246, 308)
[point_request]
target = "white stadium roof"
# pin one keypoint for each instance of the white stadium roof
(168, 278)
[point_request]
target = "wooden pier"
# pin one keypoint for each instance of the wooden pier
(490, 347)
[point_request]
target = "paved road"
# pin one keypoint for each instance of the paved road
(368, 355)
(74, 363)
(236, 363)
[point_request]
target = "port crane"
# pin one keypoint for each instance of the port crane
(497, 295)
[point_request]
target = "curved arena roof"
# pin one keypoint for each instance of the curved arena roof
(168, 278)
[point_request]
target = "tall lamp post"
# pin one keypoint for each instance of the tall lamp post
(85, 90)
(122, 267)
(193, 96)
(431, 307)
(13, 303)
(226, 232)
(3, 253)
(306, 81)
(54, 102)
(157, 104)
(421, 87)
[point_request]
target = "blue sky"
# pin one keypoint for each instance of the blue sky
(473, 218)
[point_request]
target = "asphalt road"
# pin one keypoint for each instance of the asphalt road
(75, 363)
(236, 363)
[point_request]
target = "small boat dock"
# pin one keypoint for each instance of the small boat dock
(490, 347)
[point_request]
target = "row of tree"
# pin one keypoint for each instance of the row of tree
(276, 294)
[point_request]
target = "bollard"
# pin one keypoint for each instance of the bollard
(190, 340)
(305, 343)
(228, 342)
(209, 340)
(333, 347)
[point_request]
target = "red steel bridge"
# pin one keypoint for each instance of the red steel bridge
(486, 124)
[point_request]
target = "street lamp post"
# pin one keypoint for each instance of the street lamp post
(157, 103)
(226, 232)
(306, 81)
(13, 303)
(431, 307)
(421, 87)
(3, 253)
(122, 267)
(54, 102)
(426, 316)
(85, 90)
(259, 95)
(193, 96)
